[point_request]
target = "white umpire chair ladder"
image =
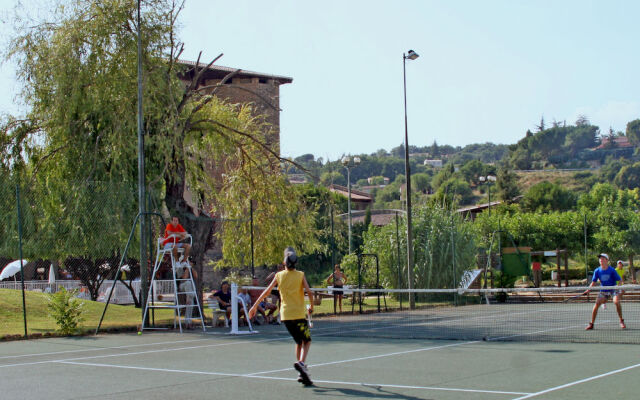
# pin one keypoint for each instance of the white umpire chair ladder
(193, 308)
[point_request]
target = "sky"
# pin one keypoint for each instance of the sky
(488, 70)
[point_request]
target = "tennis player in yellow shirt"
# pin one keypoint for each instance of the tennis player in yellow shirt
(292, 285)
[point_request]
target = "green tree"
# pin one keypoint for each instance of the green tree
(77, 69)
(472, 170)
(546, 196)
(454, 191)
(330, 178)
(611, 168)
(628, 177)
(442, 176)
(601, 193)
(633, 131)
(420, 182)
(507, 185)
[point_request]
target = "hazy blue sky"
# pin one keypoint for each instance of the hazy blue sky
(488, 69)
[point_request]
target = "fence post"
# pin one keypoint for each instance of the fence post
(24, 303)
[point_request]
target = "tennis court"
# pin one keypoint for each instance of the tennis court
(354, 359)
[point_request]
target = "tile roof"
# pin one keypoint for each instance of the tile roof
(243, 72)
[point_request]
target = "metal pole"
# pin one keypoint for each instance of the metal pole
(489, 184)
(333, 239)
(407, 168)
(141, 194)
(359, 285)
(253, 271)
(398, 260)
(349, 203)
(149, 238)
(24, 302)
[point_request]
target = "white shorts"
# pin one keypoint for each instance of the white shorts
(170, 245)
(607, 294)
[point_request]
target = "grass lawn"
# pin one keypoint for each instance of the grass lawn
(39, 322)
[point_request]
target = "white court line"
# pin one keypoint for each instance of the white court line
(553, 389)
(139, 352)
(253, 376)
(99, 349)
(369, 357)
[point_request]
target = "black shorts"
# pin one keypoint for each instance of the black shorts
(299, 330)
(337, 292)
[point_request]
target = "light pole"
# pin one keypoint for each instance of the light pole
(348, 164)
(411, 55)
(488, 179)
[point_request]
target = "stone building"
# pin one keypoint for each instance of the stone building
(263, 92)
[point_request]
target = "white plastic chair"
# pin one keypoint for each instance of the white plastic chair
(217, 313)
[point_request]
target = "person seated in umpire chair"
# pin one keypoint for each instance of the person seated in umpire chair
(174, 234)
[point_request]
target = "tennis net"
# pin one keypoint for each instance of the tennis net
(556, 314)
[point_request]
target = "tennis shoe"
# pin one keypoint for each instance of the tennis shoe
(622, 325)
(589, 327)
(304, 373)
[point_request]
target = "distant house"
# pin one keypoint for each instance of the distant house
(433, 163)
(384, 178)
(359, 200)
(297, 179)
(472, 211)
(618, 141)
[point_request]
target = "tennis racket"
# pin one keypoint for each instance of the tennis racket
(309, 321)
(574, 297)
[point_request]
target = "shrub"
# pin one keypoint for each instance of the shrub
(66, 309)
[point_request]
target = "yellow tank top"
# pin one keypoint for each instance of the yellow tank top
(291, 294)
(620, 272)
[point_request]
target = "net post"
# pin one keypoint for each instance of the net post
(234, 309)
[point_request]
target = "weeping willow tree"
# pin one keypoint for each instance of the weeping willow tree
(444, 247)
(252, 180)
(77, 67)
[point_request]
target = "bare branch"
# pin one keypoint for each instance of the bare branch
(262, 145)
(259, 95)
(196, 80)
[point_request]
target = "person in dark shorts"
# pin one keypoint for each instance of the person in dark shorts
(223, 296)
(292, 285)
(337, 279)
(607, 276)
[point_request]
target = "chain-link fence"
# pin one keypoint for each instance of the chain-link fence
(69, 239)
(73, 237)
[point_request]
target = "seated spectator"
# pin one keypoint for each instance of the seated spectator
(264, 305)
(223, 296)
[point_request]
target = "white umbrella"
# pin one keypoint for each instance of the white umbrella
(52, 275)
(11, 269)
